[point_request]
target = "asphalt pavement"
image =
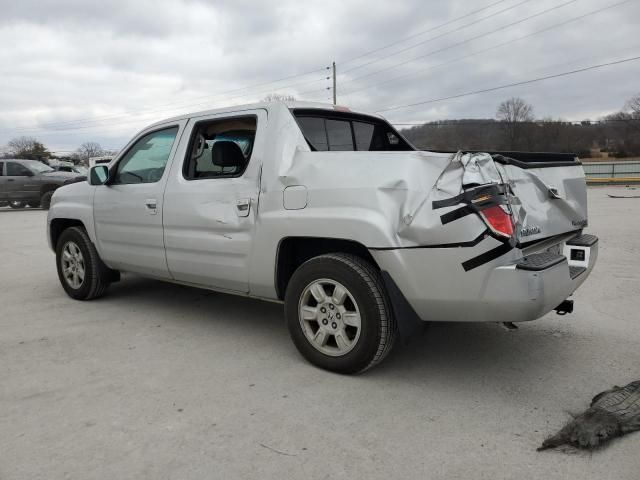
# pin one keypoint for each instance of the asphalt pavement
(158, 381)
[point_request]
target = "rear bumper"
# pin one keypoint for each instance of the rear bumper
(438, 288)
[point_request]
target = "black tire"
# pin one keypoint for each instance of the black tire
(96, 273)
(33, 204)
(45, 200)
(16, 204)
(364, 283)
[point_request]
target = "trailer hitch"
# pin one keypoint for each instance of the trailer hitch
(565, 307)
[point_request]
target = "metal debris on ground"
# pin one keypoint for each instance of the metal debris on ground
(612, 413)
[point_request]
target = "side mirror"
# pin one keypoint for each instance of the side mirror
(98, 175)
(29, 173)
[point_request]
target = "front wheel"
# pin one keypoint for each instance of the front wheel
(81, 272)
(45, 200)
(338, 313)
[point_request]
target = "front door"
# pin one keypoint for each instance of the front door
(211, 200)
(19, 185)
(128, 209)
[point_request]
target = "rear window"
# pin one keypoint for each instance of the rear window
(338, 131)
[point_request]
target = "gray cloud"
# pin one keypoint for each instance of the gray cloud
(118, 65)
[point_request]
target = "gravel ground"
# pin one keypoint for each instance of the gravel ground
(161, 381)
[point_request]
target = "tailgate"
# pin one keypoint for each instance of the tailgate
(549, 193)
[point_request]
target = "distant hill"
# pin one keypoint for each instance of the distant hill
(621, 138)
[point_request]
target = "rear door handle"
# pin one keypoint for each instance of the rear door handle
(243, 206)
(11, 179)
(151, 205)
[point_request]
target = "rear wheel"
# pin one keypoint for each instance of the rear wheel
(81, 272)
(16, 204)
(45, 200)
(338, 313)
(33, 204)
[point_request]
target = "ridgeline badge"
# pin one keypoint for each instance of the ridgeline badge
(580, 223)
(530, 230)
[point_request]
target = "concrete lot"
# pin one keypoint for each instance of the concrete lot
(160, 381)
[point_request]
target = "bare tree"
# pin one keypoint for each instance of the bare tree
(514, 113)
(27, 147)
(88, 150)
(276, 97)
(633, 106)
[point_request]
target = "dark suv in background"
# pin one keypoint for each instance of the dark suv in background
(31, 183)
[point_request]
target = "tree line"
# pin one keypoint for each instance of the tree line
(515, 128)
(30, 148)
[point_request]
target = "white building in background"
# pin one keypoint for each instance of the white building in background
(106, 159)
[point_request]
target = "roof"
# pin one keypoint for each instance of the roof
(261, 105)
(19, 160)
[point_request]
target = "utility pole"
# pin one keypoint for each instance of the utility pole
(334, 84)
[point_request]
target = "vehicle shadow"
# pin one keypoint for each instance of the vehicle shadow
(444, 352)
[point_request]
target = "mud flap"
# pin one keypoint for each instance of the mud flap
(407, 320)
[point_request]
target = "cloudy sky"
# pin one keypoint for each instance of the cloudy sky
(78, 70)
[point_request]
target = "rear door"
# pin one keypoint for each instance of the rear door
(128, 210)
(211, 200)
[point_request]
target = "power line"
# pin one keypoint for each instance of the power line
(460, 43)
(431, 39)
(509, 85)
(160, 108)
(96, 122)
(480, 121)
(422, 32)
(493, 47)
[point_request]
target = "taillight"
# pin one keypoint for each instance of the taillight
(498, 220)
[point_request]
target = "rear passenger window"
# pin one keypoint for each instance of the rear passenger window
(220, 148)
(1, 169)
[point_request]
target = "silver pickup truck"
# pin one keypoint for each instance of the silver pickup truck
(332, 212)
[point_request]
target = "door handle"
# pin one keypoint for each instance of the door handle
(11, 179)
(243, 206)
(151, 205)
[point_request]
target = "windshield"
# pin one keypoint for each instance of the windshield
(37, 167)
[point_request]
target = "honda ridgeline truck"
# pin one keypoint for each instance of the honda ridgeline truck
(333, 213)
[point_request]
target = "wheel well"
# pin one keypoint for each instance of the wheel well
(294, 251)
(59, 225)
(47, 188)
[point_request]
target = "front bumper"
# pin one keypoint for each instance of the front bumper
(439, 289)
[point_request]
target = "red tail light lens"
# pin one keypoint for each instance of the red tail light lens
(498, 220)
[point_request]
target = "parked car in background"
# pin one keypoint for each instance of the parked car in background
(70, 167)
(31, 183)
(334, 214)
